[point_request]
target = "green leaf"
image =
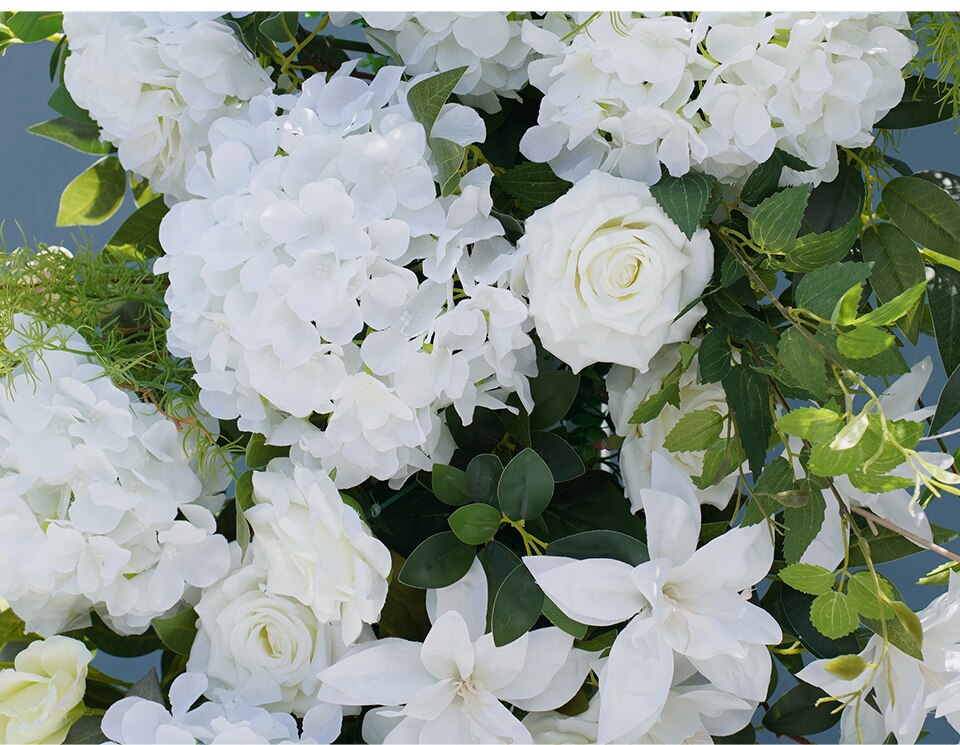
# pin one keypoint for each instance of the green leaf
(82, 137)
(803, 524)
(925, 212)
(483, 435)
(86, 730)
(808, 578)
(560, 457)
(553, 393)
(889, 546)
(120, 645)
(894, 309)
(897, 266)
(281, 27)
(948, 405)
(148, 687)
(821, 290)
(244, 501)
(713, 359)
(791, 609)
(534, 184)
(776, 220)
(834, 615)
(696, 430)
(475, 523)
(141, 231)
(922, 104)
(687, 200)
(721, 458)
(815, 250)
(93, 196)
(651, 406)
(526, 486)
(803, 365)
(178, 632)
(61, 102)
(562, 621)
(448, 157)
(797, 714)
(765, 178)
(483, 475)
(832, 205)
(35, 26)
(438, 562)
(862, 591)
(427, 97)
(888, 362)
(871, 484)
(814, 425)
(601, 544)
(259, 453)
(516, 607)
(904, 630)
(450, 485)
(749, 398)
(943, 295)
(864, 341)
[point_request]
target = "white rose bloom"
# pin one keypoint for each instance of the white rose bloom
(627, 389)
(316, 549)
(224, 718)
(607, 272)
(488, 44)
(247, 633)
(156, 82)
(95, 481)
(42, 695)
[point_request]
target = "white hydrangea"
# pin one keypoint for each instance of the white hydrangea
(223, 718)
(92, 485)
(156, 82)
(315, 548)
(627, 389)
(488, 44)
(294, 284)
(627, 93)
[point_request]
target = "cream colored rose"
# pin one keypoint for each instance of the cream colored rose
(627, 389)
(42, 696)
(607, 272)
(316, 549)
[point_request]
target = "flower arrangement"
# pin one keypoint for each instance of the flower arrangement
(500, 377)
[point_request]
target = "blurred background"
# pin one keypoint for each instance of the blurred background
(35, 170)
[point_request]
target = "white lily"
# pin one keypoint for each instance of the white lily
(450, 687)
(684, 599)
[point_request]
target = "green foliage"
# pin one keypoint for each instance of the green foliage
(439, 561)
(139, 235)
(943, 294)
(450, 485)
(925, 213)
(73, 134)
(178, 632)
(808, 578)
(516, 606)
(605, 544)
(95, 195)
(526, 486)
(689, 200)
(749, 398)
(775, 222)
(796, 713)
(475, 523)
(533, 185)
(897, 266)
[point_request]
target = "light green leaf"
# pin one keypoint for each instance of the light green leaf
(696, 430)
(862, 591)
(833, 615)
(93, 196)
(815, 425)
(776, 220)
(815, 250)
(808, 578)
(475, 523)
(894, 309)
(61, 102)
(925, 212)
(82, 137)
(31, 26)
(864, 341)
(448, 157)
(427, 97)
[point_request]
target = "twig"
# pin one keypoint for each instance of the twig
(870, 517)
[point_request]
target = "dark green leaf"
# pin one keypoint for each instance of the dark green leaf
(897, 266)
(553, 394)
(61, 102)
(687, 200)
(765, 178)
(922, 104)
(516, 607)
(749, 399)
(148, 687)
(943, 294)
(802, 524)
(126, 645)
(178, 632)
(776, 220)
(141, 230)
(82, 137)
(526, 486)
(86, 730)
(803, 364)
(562, 621)
(592, 502)
(696, 430)
(30, 26)
(560, 457)
(535, 184)
(949, 182)
(601, 544)
(483, 476)
(925, 212)
(889, 546)
(281, 27)
(259, 453)
(448, 157)
(93, 196)
(427, 97)
(498, 562)
(821, 290)
(796, 712)
(244, 501)
(948, 405)
(815, 250)
(481, 436)
(450, 485)
(475, 523)
(834, 204)
(438, 562)
(713, 359)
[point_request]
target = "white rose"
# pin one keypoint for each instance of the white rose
(245, 631)
(608, 272)
(42, 696)
(627, 389)
(316, 549)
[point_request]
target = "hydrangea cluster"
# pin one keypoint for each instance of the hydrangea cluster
(629, 93)
(95, 482)
(488, 44)
(294, 290)
(156, 82)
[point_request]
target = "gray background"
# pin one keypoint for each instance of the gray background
(36, 170)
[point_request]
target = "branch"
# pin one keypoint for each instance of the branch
(870, 517)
